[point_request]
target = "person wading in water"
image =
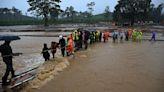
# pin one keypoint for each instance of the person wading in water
(7, 55)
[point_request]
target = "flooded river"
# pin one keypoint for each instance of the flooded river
(31, 48)
(120, 67)
(104, 67)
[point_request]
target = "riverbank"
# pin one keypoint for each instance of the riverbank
(70, 27)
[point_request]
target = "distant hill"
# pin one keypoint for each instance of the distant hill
(93, 19)
(7, 17)
(102, 16)
(11, 19)
(14, 16)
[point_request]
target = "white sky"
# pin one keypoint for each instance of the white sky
(79, 5)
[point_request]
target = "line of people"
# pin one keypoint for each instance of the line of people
(76, 40)
(136, 35)
(79, 39)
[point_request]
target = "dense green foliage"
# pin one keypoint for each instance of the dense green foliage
(107, 13)
(7, 18)
(131, 10)
(14, 17)
(137, 11)
(156, 14)
(49, 12)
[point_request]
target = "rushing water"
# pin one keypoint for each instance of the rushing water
(31, 48)
(104, 67)
(109, 67)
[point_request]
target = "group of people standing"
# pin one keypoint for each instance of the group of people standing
(76, 40)
(136, 35)
(53, 48)
(80, 38)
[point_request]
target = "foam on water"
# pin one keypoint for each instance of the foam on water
(47, 72)
(24, 63)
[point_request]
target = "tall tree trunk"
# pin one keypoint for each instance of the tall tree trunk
(45, 20)
(72, 18)
(132, 22)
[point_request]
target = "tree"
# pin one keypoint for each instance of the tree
(107, 12)
(72, 12)
(66, 12)
(13, 11)
(54, 13)
(90, 8)
(131, 11)
(158, 12)
(43, 8)
(155, 13)
(16, 11)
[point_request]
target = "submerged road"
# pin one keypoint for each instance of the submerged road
(120, 67)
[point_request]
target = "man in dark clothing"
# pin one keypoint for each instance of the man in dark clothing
(80, 39)
(126, 36)
(86, 37)
(45, 52)
(6, 52)
(62, 44)
(100, 36)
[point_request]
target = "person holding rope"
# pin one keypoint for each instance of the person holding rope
(7, 55)
(54, 46)
(46, 54)
(62, 44)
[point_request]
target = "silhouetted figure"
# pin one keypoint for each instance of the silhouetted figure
(153, 36)
(45, 53)
(62, 44)
(114, 36)
(80, 43)
(86, 37)
(126, 35)
(6, 52)
(121, 36)
(54, 46)
(100, 36)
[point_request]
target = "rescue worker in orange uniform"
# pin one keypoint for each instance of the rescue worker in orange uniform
(106, 35)
(70, 46)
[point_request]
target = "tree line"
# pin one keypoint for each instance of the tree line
(12, 11)
(134, 11)
(51, 8)
(126, 11)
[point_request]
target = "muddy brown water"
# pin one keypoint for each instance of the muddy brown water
(120, 67)
(31, 48)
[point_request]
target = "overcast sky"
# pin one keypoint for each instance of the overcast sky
(79, 5)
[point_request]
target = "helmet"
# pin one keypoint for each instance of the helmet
(75, 31)
(60, 36)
